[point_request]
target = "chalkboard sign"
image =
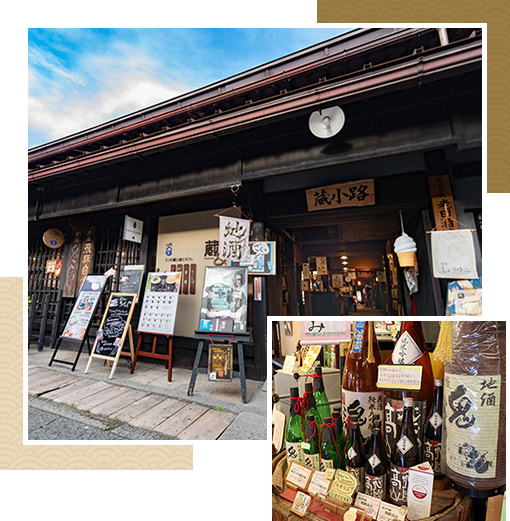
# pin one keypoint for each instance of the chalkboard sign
(131, 279)
(84, 307)
(113, 328)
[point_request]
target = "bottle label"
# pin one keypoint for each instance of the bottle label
(471, 417)
(327, 464)
(357, 341)
(312, 460)
(374, 461)
(375, 486)
(294, 452)
(393, 411)
(432, 454)
(398, 484)
(351, 453)
(435, 420)
(406, 350)
(359, 474)
(365, 405)
(404, 444)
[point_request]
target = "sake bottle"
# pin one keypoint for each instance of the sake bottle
(336, 417)
(410, 349)
(433, 431)
(311, 452)
(405, 454)
(360, 395)
(329, 456)
(320, 395)
(376, 468)
(309, 403)
(294, 435)
(355, 458)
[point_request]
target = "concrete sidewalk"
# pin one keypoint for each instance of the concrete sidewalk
(214, 411)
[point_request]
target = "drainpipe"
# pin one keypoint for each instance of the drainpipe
(443, 37)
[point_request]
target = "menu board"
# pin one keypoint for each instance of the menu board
(84, 307)
(116, 318)
(160, 303)
(131, 279)
(220, 362)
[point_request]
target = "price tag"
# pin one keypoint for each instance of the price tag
(319, 484)
(290, 366)
(399, 377)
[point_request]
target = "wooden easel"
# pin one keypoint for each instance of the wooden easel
(115, 359)
(238, 339)
(153, 354)
(127, 331)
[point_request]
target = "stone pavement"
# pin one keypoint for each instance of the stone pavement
(67, 405)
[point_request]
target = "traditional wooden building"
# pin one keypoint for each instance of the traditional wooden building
(412, 100)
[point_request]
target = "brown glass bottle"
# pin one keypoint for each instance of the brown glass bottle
(410, 349)
(355, 457)
(405, 454)
(360, 395)
(433, 431)
(376, 467)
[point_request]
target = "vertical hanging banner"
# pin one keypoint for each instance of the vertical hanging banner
(234, 235)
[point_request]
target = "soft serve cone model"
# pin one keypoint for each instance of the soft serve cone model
(405, 248)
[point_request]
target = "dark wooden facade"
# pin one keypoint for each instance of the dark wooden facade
(413, 109)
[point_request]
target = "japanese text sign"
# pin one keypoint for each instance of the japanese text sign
(354, 193)
(442, 202)
(234, 236)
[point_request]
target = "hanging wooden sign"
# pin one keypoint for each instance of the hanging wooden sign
(443, 203)
(354, 193)
(114, 327)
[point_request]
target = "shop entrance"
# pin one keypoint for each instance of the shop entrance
(342, 262)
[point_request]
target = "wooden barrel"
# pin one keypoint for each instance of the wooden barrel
(447, 505)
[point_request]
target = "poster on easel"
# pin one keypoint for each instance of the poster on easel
(84, 307)
(220, 362)
(114, 328)
(131, 279)
(224, 307)
(160, 303)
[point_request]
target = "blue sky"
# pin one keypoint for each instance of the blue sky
(79, 78)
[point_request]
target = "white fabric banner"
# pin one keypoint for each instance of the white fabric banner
(453, 254)
(234, 239)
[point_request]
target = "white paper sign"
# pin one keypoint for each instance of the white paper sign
(234, 239)
(133, 229)
(453, 254)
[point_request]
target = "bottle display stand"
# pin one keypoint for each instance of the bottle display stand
(152, 354)
(238, 339)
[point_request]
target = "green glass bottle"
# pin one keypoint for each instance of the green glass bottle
(310, 405)
(336, 416)
(311, 454)
(294, 435)
(329, 455)
(320, 395)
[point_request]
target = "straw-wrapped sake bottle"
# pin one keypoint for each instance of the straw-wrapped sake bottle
(475, 408)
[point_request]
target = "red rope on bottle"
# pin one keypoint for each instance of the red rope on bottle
(314, 424)
(331, 427)
(306, 405)
(298, 409)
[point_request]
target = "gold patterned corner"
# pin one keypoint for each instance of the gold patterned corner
(16, 456)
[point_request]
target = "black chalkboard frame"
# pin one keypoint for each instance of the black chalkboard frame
(126, 332)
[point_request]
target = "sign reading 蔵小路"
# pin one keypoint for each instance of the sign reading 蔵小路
(353, 193)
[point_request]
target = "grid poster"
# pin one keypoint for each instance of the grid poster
(160, 303)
